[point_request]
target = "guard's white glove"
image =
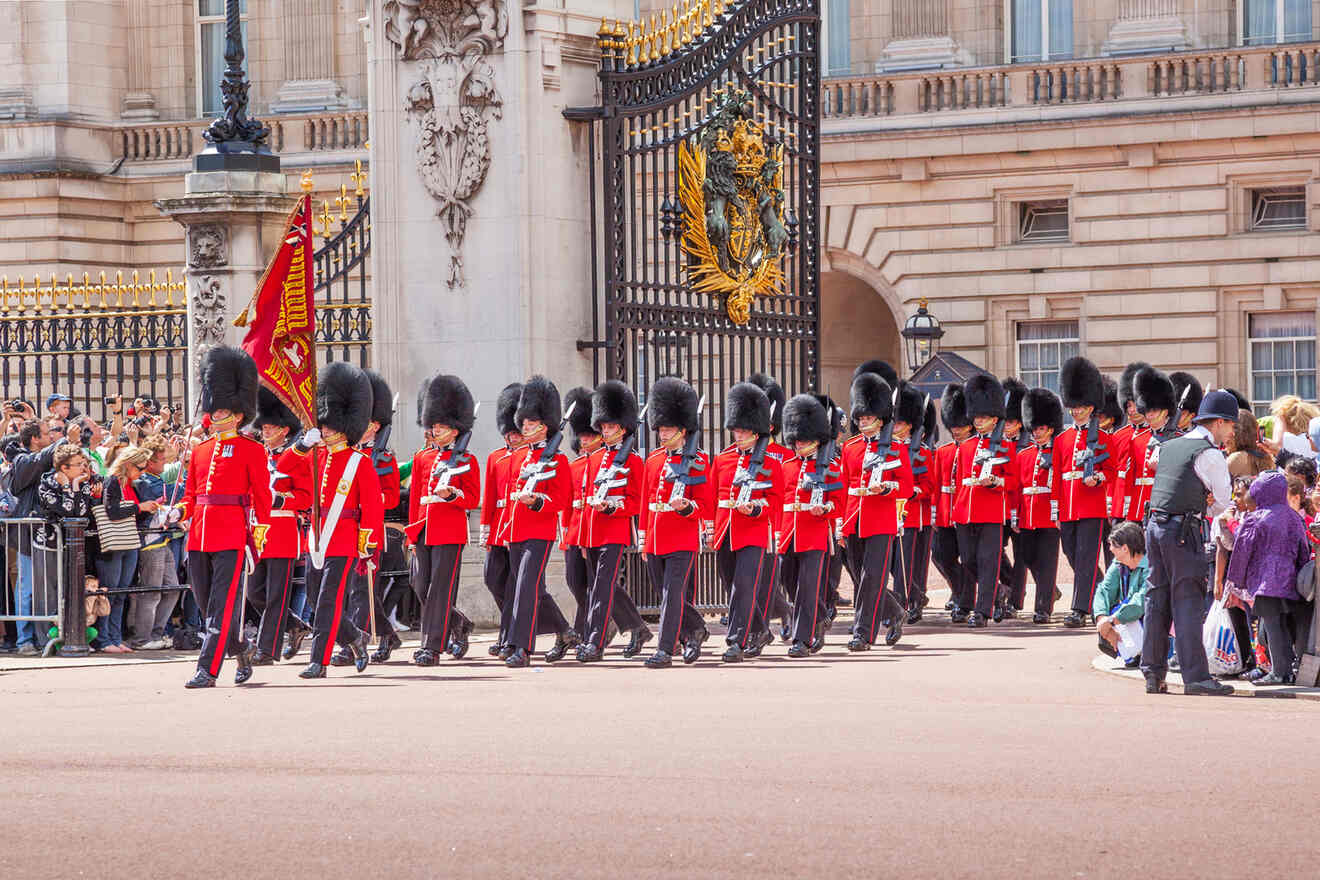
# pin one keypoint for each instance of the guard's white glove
(175, 514)
(309, 438)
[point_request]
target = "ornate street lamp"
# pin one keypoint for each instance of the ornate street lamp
(922, 332)
(237, 143)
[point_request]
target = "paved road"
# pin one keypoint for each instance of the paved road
(957, 754)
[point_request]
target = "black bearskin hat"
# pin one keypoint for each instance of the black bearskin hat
(880, 368)
(539, 402)
(953, 407)
(1187, 391)
(446, 400)
(1081, 383)
(835, 415)
(807, 420)
(1014, 390)
(985, 396)
(343, 400)
(505, 407)
(871, 395)
(672, 404)
(1126, 392)
(382, 399)
(614, 402)
(229, 381)
(1151, 389)
(579, 422)
(930, 427)
(272, 411)
(911, 405)
(775, 392)
(1111, 407)
(1243, 403)
(747, 407)
(1041, 406)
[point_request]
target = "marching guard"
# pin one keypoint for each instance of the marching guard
(226, 497)
(770, 598)
(446, 484)
(577, 403)
(494, 509)
(1154, 397)
(1036, 516)
(910, 429)
(944, 540)
(1012, 573)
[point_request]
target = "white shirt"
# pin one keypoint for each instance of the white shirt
(1212, 468)
(1298, 444)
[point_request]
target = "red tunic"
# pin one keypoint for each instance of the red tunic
(363, 508)
(436, 520)
(743, 530)
(1076, 500)
(801, 530)
(521, 522)
(983, 504)
(387, 472)
(665, 530)
(1141, 476)
(570, 518)
(232, 470)
(1119, 442)
(871, 515)
(292, 493)
(495, 499)
(1034, 490)
(599, 528)
(944, 454)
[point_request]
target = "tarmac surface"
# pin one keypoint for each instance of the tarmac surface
(989, 753)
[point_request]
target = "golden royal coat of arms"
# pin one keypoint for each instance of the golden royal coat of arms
(731, 188)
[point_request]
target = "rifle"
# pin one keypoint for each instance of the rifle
(380, 446)
(1091, 456)
(681, 475)
(915, 451)
(443, 472)
(986, 458)
(533, 473)
(875, 462)
(746, 478)
(824, 480)
(616, 475)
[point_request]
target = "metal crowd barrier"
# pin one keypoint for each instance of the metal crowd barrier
(711, 596)
(44, 581)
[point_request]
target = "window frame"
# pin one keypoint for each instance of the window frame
(1261, 192)
(1045, 56)
(1025, 206)
(199, 85)
(1280, 19)
(1262, 407)
(1018, 343)
(825, 41)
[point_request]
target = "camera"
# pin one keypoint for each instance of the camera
(86, 437)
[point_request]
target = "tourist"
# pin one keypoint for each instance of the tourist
(1120, 597)
(116, 567)
(1246, 456)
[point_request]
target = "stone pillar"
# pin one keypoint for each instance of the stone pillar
(921, 36)
(232, 221)
(308, 31)
(1145, 26)
(139, 102)
(15, 90)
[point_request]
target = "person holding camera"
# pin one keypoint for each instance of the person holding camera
(116, 566)
(66, 491)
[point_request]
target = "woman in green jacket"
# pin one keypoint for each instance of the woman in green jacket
(1120, 597)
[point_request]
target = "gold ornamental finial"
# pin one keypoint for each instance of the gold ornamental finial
(603, 32)
(359, 178)
(326, 219)
(306, 181)
(644, 49)
(341, 202)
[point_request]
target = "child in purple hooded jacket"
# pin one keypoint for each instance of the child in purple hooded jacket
(1270, 549)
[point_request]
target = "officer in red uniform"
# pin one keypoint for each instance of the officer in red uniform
(350, 524)
(1083, 500)
(271, 581)
(1012, 573)
(494, 498)
(611, 500)
(749, 492)
(815, 497)
(446, 484)
(228, 483)
(1036, 516)
(877, 474)
(944, 541)
(1114, 421)
(838, 558)
(924, 465)
(577, 402)
(678, 495)
(909, 430)
(851, 558)
(1121, 490)
(1153, 395)
(1190, 394)
(986, 487)
(770, 593)
(540, 487)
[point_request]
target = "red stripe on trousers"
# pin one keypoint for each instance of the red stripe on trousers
(536, 605)
(284, 606)
(752, 609)
(609, 606)
(449, 600)
(884, 573)
(682, 603)
(339, 613)
(219, 656)
(815, 607)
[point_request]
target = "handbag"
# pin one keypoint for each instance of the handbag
(1306, 581)
(115, 534)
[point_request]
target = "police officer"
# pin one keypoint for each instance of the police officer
(1191, 483)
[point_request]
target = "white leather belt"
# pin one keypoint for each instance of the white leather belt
(1036, 490)
(282, 513)
(796, 507)
(947, 490)
(660, 507)
(1144, 481)
(500, 503)
(1122, 475)
(728, 504)
(434, 499)
(1073, 475)
(972, 482)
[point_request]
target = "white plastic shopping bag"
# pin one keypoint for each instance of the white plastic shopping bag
(1220, 641)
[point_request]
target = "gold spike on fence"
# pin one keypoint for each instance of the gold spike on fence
(152, 292)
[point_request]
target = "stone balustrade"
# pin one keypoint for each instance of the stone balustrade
(292, 133)
(1086, 81)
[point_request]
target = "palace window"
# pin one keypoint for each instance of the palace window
(1279, 207)
(1265, 22)
(1043, 221)
(1282, 357)
(210, 36)
(1042, 347)
(838, 35)
(1042, 30)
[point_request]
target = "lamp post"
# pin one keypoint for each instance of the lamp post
(921, 333)
(236, 142)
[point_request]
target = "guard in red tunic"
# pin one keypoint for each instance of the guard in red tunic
(1189, 392)
(1036, 515)
(944, 540)
(770, 593)
(878, 476)
(1114, 421)
(446, 484)
(852, 555)
(749, 492)
(494, 499)
(986, 489)
(838, 558)
(271, 581)
(350, 524)
(611, 500)
(1012, 573)
(1154, 397)
(540, 487)
(909, 430)
(678, 494)
(1121, 491)
(1084, 460)
(577, 402)
(226, 494)
(814, 498)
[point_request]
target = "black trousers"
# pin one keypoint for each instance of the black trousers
(1017, 571)
(1082, 540)
(1176, 595)
(607, 598)
(770, 598)
(269, 587)
(835, 575)
(217, 584)
(809, 570)
(359, 594)
(919, 566)
(1038, 550)
(741, 572)
(1242, 630)
(980, 546)
(439, 567)
(332, 620)
(528, 608)
(496, 575)
(873, 602)
(578, 578)
(674, 575)
(944, 553)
